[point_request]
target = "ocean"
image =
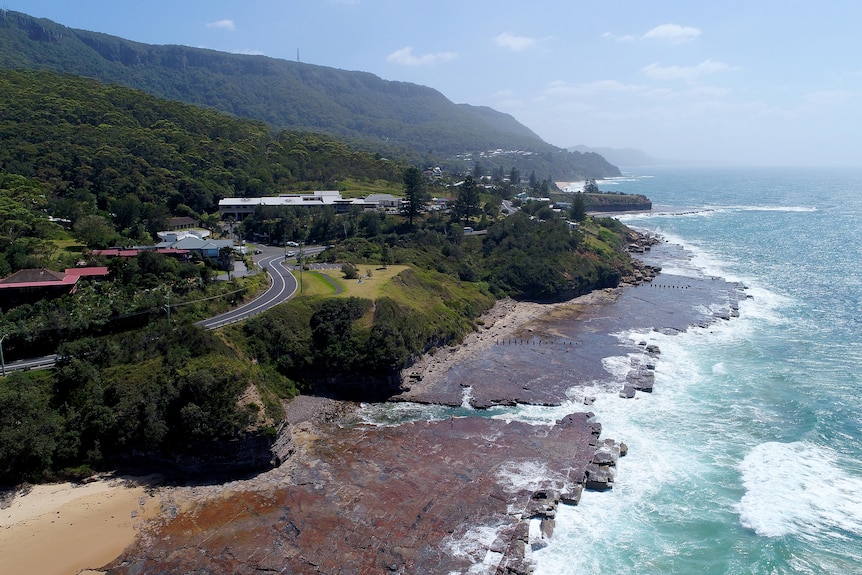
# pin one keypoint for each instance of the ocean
(747, 457)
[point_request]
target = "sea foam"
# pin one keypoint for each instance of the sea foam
(798, 489)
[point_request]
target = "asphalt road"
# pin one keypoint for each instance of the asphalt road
(283, 287)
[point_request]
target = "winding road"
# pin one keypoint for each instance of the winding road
(283, 287)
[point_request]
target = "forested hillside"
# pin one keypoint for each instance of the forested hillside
(394, 118)
(120, 154)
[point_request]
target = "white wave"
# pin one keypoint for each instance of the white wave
(523, 475)
(770, 208)
(466, 396)
(800, 489)
(397, 413)
(474, 544)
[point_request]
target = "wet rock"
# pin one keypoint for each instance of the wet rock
(573, 495)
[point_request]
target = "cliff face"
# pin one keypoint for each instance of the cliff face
(210, 460)
(617, 203)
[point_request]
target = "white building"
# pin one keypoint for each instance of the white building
(239, 208)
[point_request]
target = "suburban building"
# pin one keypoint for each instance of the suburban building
(239, 208)
(96, 273)
(31, 285)
(204, 247)
(134, 252)
(385, 201)
(182, 223)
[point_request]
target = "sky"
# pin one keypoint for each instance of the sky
(756, 82)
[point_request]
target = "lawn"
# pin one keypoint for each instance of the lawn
(314, 282)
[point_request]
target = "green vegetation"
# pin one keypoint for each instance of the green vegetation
(115, 163)
(354, 346)
(396, 119)
(154, 392)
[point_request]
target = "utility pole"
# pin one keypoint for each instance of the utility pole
(301, 243)
(2, 359)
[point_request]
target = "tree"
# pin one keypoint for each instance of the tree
(590, 187)
(415, 194)
(515, 177)
(578, 211)
(467, 203)
(478, 171)
(95, 231)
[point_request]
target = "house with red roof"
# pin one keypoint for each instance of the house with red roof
(31, 285)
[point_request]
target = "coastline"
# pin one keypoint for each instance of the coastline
(115, 512)
(67, 528)
(508, 318)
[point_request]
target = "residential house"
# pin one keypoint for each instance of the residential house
(32, 285)
(182, 223)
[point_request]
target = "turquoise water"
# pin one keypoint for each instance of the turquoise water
(747, 458)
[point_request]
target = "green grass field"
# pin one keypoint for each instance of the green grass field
(366, 287)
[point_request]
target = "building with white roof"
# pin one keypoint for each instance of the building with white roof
(239, 208)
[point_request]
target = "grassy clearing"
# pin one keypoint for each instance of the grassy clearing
(351, 188)
(314, 284)
(66, 252)
(370, 287)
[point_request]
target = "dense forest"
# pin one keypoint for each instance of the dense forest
(393, 118)
(117, 163)
(84, 165)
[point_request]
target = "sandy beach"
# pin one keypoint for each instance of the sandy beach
(66, 528)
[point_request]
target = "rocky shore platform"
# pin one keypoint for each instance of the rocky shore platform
(536, 354)
(441, 497)
(452, 496)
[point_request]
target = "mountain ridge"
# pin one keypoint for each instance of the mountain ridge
(388, 116)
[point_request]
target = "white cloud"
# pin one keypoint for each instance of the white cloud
(612, 36)
(405, 57)
(829, 99)
(514, 43)
(689, 73)
(222, 24)
(249, 52)
(607, 88)
(673, 33)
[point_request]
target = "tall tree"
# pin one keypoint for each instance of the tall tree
(415, 194)
(515, 176)
(467, 203)
(578, 211)
(590, 187)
